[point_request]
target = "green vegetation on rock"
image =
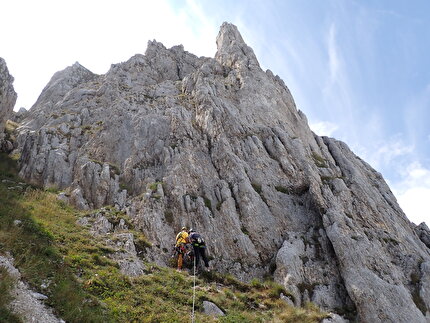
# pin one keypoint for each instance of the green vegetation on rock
(62, 260)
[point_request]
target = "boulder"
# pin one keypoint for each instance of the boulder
(210, 308)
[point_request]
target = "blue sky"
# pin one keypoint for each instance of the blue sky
(358, 69)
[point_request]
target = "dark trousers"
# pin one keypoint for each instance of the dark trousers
(200, 252)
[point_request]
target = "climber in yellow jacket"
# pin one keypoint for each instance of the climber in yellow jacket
(181, 241)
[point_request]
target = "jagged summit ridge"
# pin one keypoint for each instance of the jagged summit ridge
(228, 34)
(62, 82)
(218, 144)
(54, 92)
(231, 48)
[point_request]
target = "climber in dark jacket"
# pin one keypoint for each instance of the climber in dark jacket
(199, 247)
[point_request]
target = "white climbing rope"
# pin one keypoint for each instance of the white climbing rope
(194, 290)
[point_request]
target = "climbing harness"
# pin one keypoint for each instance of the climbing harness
(194, 291)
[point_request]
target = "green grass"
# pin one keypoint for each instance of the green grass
(114, 169)
(125, 186)
(218, 205)
(6, 283)
(282, 189)
(256, 187)
(37, 253)
(208, 203)
(327, 179)
(244, 230)
(8, 168)
(153, 186)
(319, 161)
(86, 285)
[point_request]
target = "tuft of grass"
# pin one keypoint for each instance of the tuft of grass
(259, 190)
(114, 169)
(419, 302)
(276, 290)
(227, 280)
(52, 189)
(282, 189)
(153, 186)
(415, 278)
(244, 230)
(256, 187)
(125, 186)
(168, 215)
(319, 161)
(307, 314)
(326, 179)
(256, 283)
(390, 240)
(115, 216)
(141, 243)
(208, 203)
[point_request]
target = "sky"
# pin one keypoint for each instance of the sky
(359, 70)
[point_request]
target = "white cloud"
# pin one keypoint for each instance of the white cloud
(333, 55)
(323, 128)
(338, 94)
(413, 193)
(384, 153)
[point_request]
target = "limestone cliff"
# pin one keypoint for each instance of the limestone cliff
(7, 101)
(218, 144)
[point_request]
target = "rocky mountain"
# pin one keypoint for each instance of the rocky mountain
(7, 101)
(19, 115)
(218, 144)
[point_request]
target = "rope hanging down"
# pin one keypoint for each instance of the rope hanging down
(194, 291)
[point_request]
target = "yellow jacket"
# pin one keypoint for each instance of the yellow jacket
(181, 237)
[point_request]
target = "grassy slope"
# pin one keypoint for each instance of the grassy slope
(6, 282)
(84, 285)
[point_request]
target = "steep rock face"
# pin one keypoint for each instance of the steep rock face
(7, 97)
(20, 115)
(218, 144)
(423, 232)
(56, 89)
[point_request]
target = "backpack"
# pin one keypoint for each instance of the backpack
(197, 239)
(179, 237)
